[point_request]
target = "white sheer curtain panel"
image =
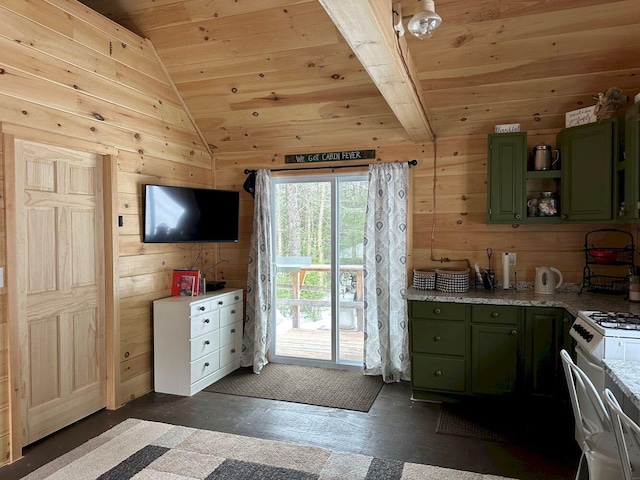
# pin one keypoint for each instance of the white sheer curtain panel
(255, 341)
(386, 349)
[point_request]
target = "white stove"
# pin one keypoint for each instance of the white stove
(605, 335)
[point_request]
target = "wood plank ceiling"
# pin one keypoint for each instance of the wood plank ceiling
(272, 74)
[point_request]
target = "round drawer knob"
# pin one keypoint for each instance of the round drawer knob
(233, 330)
(437, 310)
(202, 309)
(438, 373)
(206, 320)
(437, 338)
(233, 311)
(207, 342)
(206, 365)
(220, 302)
(495, 314)
(237, 297)
(514, 332)
(233, 350)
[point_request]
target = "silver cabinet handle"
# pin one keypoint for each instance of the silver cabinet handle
(437, 310)
(518, 216)
(437, 338)
(495, 314)
(514, 332)
(438, 373)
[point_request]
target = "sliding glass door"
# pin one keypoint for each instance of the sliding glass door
(318, 230)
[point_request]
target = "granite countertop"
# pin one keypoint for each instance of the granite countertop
(569, 299)
(625, 374)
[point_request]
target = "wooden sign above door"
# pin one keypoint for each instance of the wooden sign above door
(330, 156)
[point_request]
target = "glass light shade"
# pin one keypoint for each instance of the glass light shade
(423, 23)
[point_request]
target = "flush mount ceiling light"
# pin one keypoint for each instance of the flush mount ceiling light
(423, 23)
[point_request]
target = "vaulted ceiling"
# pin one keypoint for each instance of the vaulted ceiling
(261, 74)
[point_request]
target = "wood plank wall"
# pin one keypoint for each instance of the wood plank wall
(61, 66)
(460, 231)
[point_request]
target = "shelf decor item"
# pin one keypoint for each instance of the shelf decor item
(185, 283)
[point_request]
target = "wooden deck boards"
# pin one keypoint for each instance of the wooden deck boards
(314, 343)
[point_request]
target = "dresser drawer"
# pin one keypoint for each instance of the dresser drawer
(503, 314)
(228, 299)
(205, 366)
(433, 336)
(229, 353)
(438, 310)
(204, 323)
(438, 373)
(230, 314)
(198, 308)
(205, 344)
(230, 333)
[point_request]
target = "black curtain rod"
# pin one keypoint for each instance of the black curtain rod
(412, 163)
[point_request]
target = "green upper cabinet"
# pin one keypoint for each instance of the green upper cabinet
(507, 160)
(627, 181)
(587, 155)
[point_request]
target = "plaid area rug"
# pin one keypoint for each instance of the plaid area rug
(152, 450)
(326, 387)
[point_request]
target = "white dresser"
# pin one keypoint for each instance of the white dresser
(196, 340)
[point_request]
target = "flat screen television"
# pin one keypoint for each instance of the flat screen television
(184, 214)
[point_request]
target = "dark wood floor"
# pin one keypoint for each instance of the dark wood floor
(394, 428)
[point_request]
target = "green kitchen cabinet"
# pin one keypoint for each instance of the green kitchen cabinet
(546, 332)
(495, 349)
(627, 170)
(587, 154)
(506, 164)
(438, 347)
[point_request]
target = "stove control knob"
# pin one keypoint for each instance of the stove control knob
(588, 336)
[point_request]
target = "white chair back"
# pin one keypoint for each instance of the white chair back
(588, 409)
(627, 433)
(593, 426)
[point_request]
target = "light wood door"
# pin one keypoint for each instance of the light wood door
(60, 286)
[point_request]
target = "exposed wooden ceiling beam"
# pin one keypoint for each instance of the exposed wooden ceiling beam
(367, 26)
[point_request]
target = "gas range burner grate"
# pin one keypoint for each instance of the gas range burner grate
(619, 320)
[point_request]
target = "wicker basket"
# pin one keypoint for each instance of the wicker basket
(424, 279)
(452, 280)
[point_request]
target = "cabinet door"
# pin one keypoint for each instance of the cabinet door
(507, 159)
(628, 168)
(587, 154)
(543, 339)
(494, 359)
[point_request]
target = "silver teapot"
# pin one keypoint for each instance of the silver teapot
(542, 157)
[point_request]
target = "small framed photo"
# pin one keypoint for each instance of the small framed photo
(185, 283)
